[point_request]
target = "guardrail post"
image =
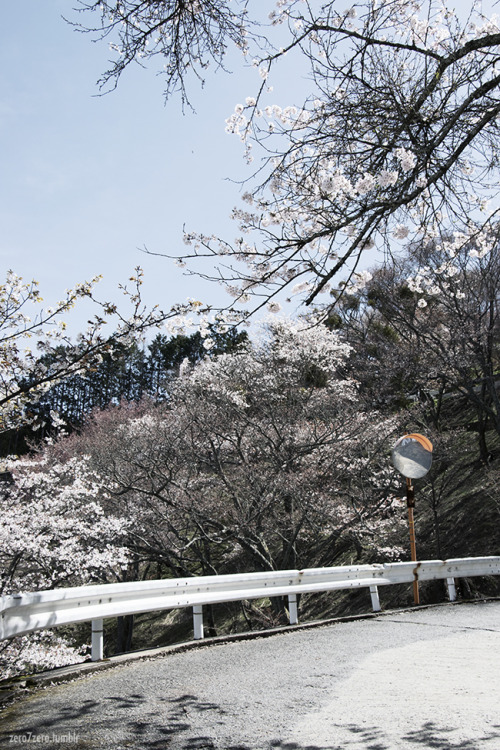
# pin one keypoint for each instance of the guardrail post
(293, 616)
(198, 621)
(452, 589)
(375, 600)
(97, 640)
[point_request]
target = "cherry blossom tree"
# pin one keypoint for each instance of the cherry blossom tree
(262, 456)
(136, 449)
(428, 325)
(53, 527)
(397, 139)
(55, 530)
(36, 352)
(291, 451)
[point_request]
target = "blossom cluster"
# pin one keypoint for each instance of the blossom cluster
(456, 253)
(55, 530)
(54, 525)
(38, 651)
(349, 182)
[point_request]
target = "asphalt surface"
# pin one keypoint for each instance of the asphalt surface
(425, 678)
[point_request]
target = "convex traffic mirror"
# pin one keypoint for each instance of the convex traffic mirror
(412, 456)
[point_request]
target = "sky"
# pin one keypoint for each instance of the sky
(89, 180)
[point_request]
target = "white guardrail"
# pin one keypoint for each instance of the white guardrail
(24, 613)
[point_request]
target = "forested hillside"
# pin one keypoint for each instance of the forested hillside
(120, 372)
(271, 452)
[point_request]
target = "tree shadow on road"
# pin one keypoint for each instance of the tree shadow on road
(138, 722)
(134, 722)
(430, 736)
(132, 719)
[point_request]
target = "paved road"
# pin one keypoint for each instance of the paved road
(427, 678)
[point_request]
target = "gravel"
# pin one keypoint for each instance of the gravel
(422, 678)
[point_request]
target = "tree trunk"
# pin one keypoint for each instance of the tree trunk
(125, 626)
(211, 630)
(481, 436)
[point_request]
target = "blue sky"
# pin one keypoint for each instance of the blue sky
(88, 180)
